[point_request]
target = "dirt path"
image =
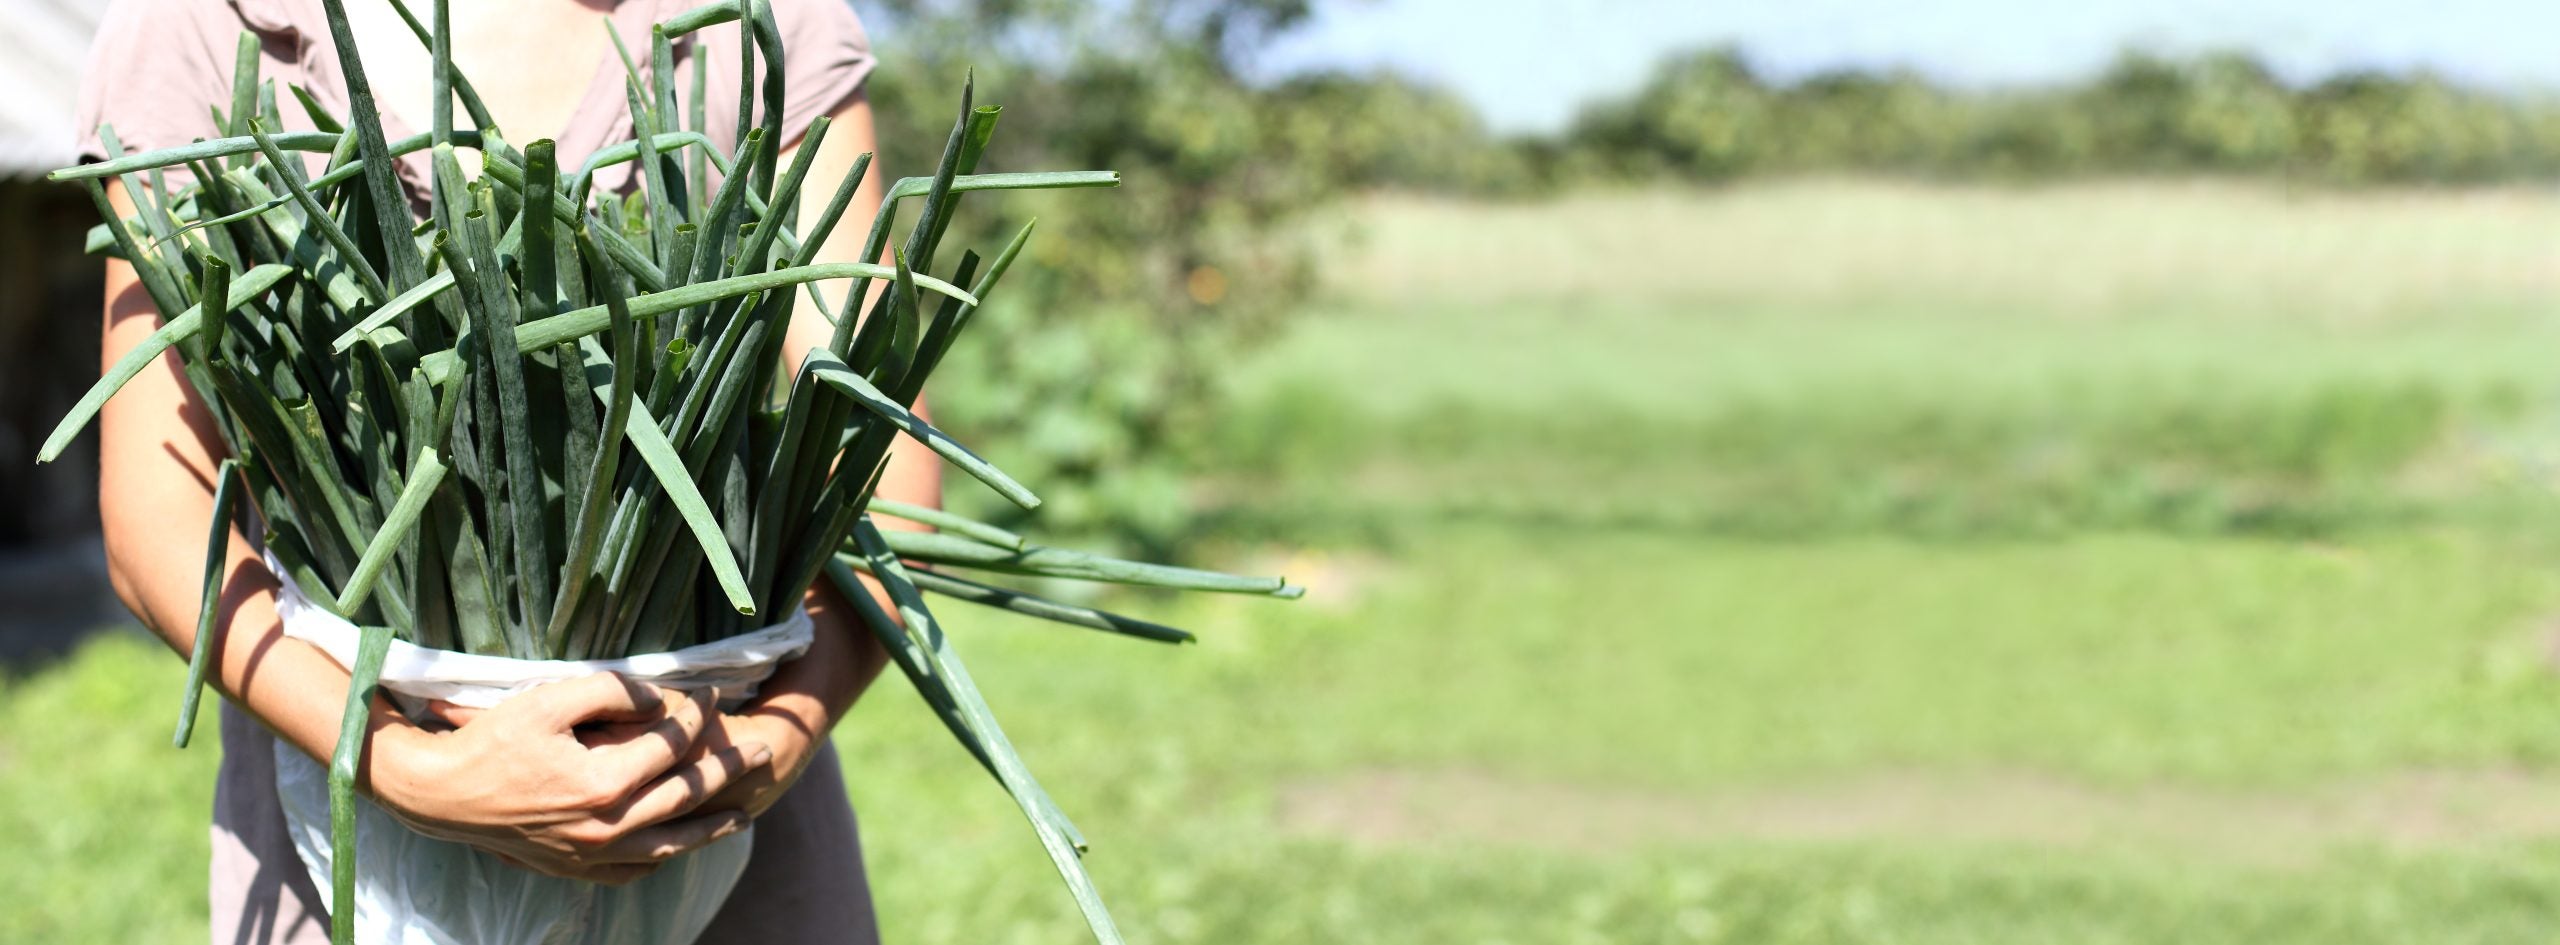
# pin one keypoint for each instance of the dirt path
(2413, 810)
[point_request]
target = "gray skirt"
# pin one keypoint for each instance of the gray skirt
(804, 883)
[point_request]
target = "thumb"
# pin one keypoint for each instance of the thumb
(568, 703)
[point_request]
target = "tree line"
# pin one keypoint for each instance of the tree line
(1710, 116)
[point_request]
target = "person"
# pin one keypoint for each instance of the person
(598, 778)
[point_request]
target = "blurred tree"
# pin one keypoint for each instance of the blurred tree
(1105, 349)
(2135, 107)
(1708, 116)
(1704, 115)
(2023, 135)
(2234, 116)
(1382, 130)
(1849, 120)
(2374, 128)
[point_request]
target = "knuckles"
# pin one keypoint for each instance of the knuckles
(590, 834)
(598, 792)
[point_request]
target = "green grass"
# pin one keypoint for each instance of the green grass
(1596, 665)
(106, 823)
(1845, 356)
(1682, 595)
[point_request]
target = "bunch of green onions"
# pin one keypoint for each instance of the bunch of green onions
(550, 423)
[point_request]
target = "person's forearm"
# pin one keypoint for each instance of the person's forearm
(296, 689)
(158, 456)
(814, 691)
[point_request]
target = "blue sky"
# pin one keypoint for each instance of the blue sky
(1527, 63)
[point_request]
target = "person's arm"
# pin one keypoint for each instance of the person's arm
(525, 784)
(800, 704)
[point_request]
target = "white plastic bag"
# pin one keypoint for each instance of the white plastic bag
(416, 890)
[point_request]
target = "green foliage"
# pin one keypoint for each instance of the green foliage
(1384, 131)
(1204, 191)
(1202, 252)
(1710, 115)
(1703, 114)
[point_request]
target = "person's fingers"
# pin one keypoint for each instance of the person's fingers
(684, 709)
(658, 843)
(686, 787)
(627, 763)
(563, 705)
(453, 715)
(752, 792)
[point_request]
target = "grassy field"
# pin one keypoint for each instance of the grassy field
(1819, 562)
(1832, 356)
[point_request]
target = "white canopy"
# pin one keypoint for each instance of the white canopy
(41, 56)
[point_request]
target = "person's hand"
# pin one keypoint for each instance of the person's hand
(597, 778)
(786, 740)
(791, 745)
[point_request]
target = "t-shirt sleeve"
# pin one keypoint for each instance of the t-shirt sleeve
(826, 57)
(154, 72)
